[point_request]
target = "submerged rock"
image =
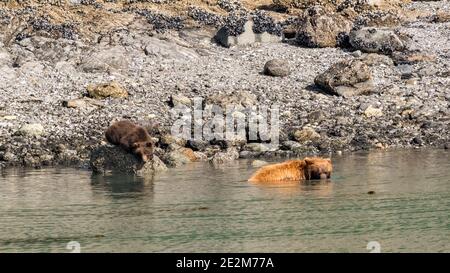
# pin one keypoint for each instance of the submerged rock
(346, 78)
(113, 158)
(259, 163)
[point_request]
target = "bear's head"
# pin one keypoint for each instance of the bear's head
(318, 168)
(143, 150)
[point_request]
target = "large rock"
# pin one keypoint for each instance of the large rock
(441, 17)
(412, 57)
(113, 158)
(238, 98)
(373, 40)
(319, 28)
(180, 99)
(83, 103)
(101, 91)
(229, 155)
(346, 78)
(258, 147)
(373, 112)
(379, 18)
(246, 36)
(306, 134)
(374, 59)
(33, 130)
(106, 60)
(176, 158)
(168, 47)
(277, 68)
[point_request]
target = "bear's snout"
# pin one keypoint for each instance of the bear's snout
(323, 176)
(145, 158)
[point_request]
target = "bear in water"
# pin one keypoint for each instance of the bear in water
(294, 170)
(132, 138)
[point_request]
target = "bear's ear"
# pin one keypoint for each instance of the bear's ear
(309, 161)
(302, 163)
(328, 159)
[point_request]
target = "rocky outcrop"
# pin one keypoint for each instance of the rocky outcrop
(346, 78)
(319, 28)
(107, 158)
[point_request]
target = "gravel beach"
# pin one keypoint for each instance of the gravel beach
(48, 69)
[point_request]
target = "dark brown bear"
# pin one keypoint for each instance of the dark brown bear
(132, 138)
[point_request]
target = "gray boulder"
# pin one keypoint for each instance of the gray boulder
(373, 40)
(230, 155)
(346, 78)
(277, 68)
(113, 158)
(237, 98)
(33, 130)
(106, 60)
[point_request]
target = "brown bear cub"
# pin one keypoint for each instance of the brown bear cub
(132, 138)
(294, 170)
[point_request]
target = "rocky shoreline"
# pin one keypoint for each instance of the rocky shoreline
(379, 81)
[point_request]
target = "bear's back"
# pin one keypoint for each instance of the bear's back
(136, 135)
(292, 170)
(118, 130)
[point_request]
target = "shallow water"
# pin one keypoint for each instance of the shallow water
(197, 208)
